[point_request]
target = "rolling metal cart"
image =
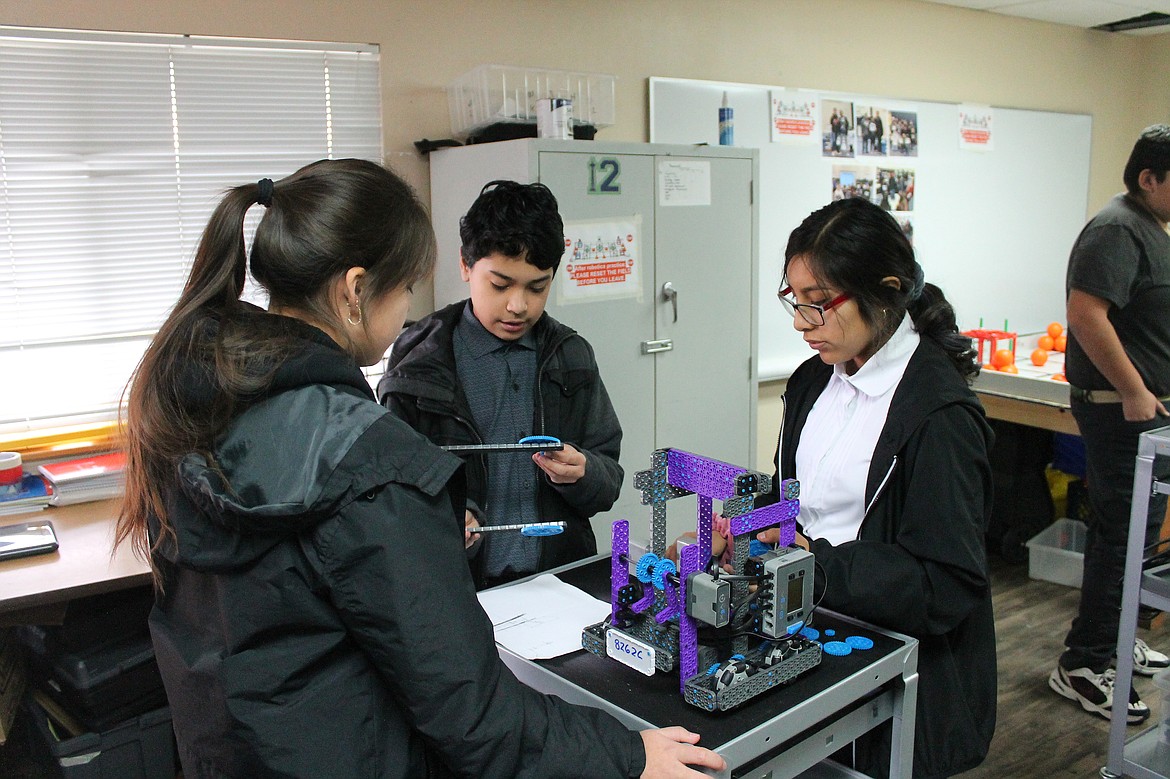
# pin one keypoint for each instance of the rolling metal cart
(785, 733)
(1142, 756)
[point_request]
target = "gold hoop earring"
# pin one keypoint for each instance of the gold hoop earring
(349, 316)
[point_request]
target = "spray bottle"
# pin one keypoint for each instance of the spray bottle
(726, 124)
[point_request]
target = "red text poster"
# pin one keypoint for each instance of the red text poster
(602, 260)
(794, 116)
(975, 131)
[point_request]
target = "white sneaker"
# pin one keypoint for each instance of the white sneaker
(1147, 661)
(1095, 692)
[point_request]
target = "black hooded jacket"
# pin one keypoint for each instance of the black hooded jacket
(919, 565)
(318, 618)
(421, 386)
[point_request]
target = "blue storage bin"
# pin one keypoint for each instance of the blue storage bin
(1068, 454)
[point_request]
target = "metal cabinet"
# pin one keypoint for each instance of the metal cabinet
(659, 275)
(1143, 755)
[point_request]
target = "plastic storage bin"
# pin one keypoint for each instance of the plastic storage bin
(498, 94)
(140, 748)
(1057, 553)
(1162, 750)
(102, 687)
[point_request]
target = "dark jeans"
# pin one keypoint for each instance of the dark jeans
(1110, 452)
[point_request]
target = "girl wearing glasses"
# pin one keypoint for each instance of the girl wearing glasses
(891, 449)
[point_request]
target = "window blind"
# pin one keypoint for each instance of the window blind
(114, 150)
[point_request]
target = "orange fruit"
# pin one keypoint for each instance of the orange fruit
(1055, 329)
(1009, 368)
(1039, 356)
(989, 367)
(1002, 357)
(1059, 377)
(1061, 340)
(1046, 342)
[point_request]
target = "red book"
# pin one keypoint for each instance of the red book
(84, 468)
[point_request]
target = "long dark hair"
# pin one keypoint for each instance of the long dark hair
(319, 222)
(852, 245)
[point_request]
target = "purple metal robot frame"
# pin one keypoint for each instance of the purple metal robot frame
(676, 473)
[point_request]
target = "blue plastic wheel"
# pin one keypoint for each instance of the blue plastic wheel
(539, 439)
(542, 530)
(859, 642)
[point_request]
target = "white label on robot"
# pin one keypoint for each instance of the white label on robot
(630, 651)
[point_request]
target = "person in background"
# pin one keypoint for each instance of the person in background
(275, 497)
(496, 368)
(890, 446)
(1118, 366)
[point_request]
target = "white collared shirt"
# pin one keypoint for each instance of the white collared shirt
(840, 434)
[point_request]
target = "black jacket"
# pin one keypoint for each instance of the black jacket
(318, 618)
(919, 564)
(421, 386)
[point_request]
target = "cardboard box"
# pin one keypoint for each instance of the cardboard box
(12, 681)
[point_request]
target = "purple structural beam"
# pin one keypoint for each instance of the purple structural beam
(782, 513)
(702, 475)
(618, 566)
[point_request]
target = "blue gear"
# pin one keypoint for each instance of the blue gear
(663, 569)
(645, 568)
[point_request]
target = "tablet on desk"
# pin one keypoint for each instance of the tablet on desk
(27, 538)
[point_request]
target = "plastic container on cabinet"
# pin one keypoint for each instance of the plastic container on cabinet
(499, 94)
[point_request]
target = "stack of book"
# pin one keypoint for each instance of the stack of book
(31, 493)
(95, 477)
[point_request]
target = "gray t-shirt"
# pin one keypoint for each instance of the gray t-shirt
(1123, 256)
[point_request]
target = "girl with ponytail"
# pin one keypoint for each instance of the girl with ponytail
(314, 613)
(890, 446)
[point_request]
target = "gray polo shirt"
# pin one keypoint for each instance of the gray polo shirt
(1123, 256)
(499, 379)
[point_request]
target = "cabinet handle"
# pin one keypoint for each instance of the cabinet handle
(654, 347)
(671, 294)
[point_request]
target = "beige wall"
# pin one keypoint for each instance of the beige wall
(895, 48)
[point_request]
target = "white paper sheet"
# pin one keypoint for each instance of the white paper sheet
(542, 617)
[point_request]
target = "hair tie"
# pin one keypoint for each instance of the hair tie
(264, 195)
(919, 283)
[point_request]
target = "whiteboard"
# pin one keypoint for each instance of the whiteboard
(992, 228)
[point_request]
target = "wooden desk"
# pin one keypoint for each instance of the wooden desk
(1028, 411)
(33, 588)
(1030, 398)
